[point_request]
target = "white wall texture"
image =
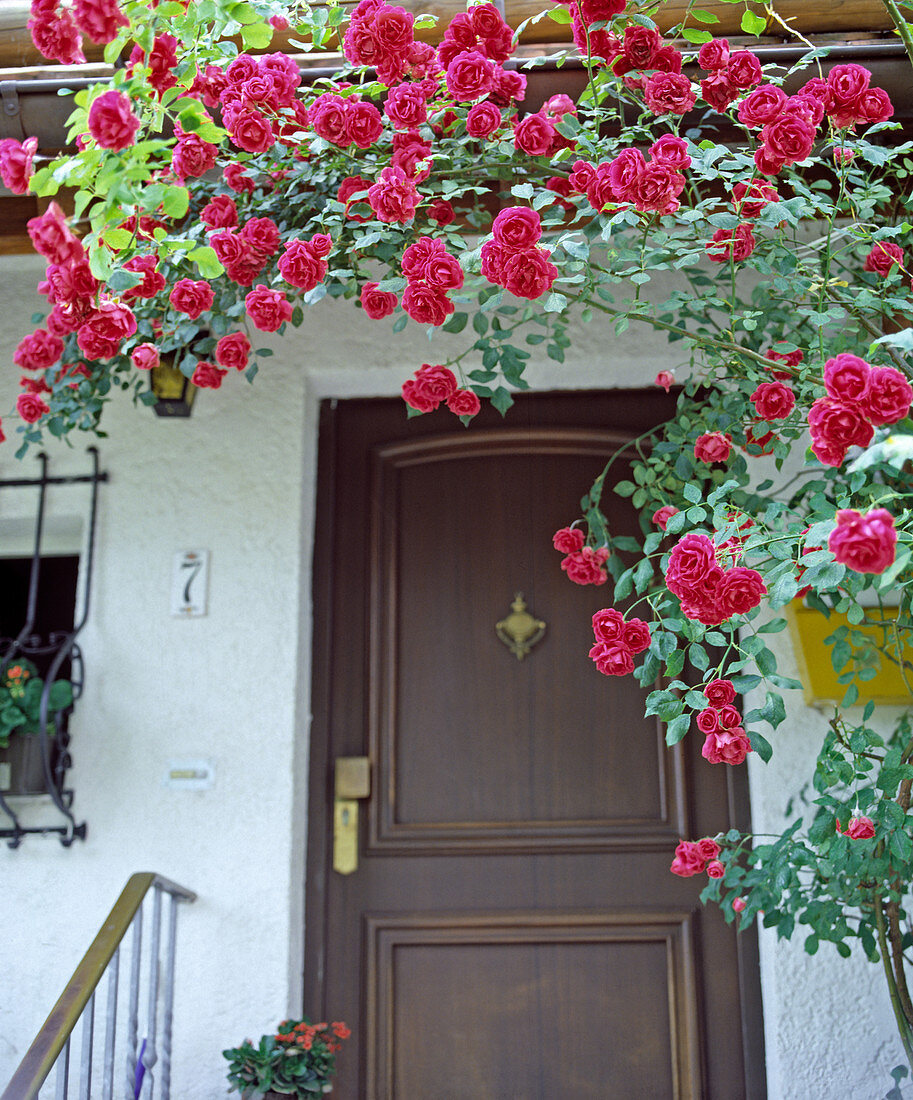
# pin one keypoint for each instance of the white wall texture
(238, 478)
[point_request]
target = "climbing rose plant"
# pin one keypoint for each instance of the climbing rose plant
(756, 215)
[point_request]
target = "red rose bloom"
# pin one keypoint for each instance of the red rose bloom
(535, 135)
(847, 377)
(608, 624)
(301, 266)
(470, 75)
(727, 244)
(788, 138)
(104, 330)
(232, 351)
(669, 93)
(884, 256)
(207, 376)
(726, 747)
(16, 163)
(773, 400)
(517, 228)
(267, 309)
(426, 305)
(145, 356)
(30, 407)
(672, 151)
(835, 426)
(483, 119)
(744, 70)
(464, 403)
(708, 720)
(249, 130)
(740, 590)
(712, 447)
(586, 566)
(610, 660)
(112, 122)
(429, 387)
(864, 543)
(719, 693)
(688, 860)
(192, 297)
(153, 281)
(567, 540)
(889, 396)
(38, 351)
(714, 54)
(859, 828)
(662, 515)
(528, 274)
(378, 303)
(393, 197)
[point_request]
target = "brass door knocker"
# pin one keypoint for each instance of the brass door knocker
(520, 631)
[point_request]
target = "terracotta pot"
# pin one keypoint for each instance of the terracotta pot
(26, 767)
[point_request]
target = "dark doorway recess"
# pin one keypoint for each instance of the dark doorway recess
(511, 930)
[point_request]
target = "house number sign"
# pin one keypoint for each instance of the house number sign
(189, 583)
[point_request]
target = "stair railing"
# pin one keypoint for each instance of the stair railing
(51, 1046)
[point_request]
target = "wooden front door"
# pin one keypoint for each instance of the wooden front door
(512, 930)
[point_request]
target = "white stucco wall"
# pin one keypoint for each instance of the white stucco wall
(239, 479)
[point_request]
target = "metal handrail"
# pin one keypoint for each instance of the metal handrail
(55, 1033)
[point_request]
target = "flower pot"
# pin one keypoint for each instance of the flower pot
(25, 772)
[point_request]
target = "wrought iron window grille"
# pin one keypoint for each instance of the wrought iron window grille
(56, 650)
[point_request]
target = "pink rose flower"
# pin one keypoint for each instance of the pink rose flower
(220, 212)
(740, 590)
(517, 228)
(112, 123)
(586, 566)
(744, 70)
(233, 351)
(738, 905)
(104, 330)
(726, 747)
(672, 151)
(636, 635)
(883, 256)
(719, 693)
(662, 515)
(31, 407)
(268, 309)
(708, 720)
(715, 869)
(431, 385)
(192, 297)
(16, 163)
(145, 356)
(749, 199)
(378, 303)
(714, 54)
(608, 624)
(300, 265)
(688, 860)
(207, 376)
(567, 540)
(712, 447)
(483, 119)
(665, 378)
(835, 426)
(889, 396)
(528, 274)
(426, 304)
(611, 660)
(464, 403)
(38, 351)
(669, 93)
(393, 197)
(535, 135)
(859, 828)
(773, 400)
(470, 75)
(864, 543)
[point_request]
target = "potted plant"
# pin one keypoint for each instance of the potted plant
(21, 689)
(298, 1060)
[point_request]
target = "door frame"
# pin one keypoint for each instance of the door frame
(318, 854)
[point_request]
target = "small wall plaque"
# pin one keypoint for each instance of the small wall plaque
(189, 583)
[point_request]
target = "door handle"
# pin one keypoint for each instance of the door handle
(351, 781)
